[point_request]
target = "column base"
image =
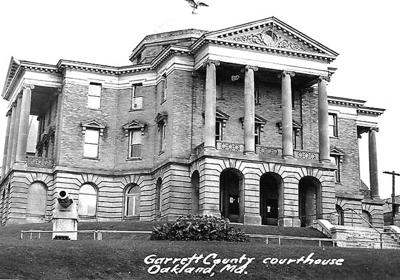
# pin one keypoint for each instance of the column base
(289, 222)
(288, 157)
(252, 219)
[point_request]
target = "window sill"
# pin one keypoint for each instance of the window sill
(137, 218)
(91, 158)
(134, 110)
(133, 159)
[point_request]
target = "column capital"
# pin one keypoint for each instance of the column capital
(28, 86)
(284, 73)
(324, 78)
(211, 61)
(376, 129)
(254, 68)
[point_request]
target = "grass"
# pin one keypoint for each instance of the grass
(123, 258)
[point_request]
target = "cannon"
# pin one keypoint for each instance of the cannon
(65, 217)
(63, 199)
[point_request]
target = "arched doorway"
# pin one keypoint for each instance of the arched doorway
(270, 193)
(231, 195)
(340, 212)
(195, 193)
(367, 217)
(309, 200)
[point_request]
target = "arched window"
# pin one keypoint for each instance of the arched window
(132, 201)
(87, 202)
(37, 200)
(158, 197)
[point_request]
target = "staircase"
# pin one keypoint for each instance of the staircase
(361, 237)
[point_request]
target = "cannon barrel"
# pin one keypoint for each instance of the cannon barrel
(63, 199)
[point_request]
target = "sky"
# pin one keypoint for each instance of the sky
(364, 33)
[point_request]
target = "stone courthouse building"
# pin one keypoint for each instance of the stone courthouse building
(235, 123)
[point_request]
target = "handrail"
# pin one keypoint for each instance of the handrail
(97, 233)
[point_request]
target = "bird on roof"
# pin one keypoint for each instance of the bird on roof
(196, 4)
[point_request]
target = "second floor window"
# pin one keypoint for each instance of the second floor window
(333, 125)
(135, 144)
(257, 134)
(94, 96)
(335, 159)
(164, 89)
(163, 128)
(219, 130)
(136, 101)
(91, 146)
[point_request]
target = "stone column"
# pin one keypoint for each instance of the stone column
(287, 121)
(323, 121)
(15, 131)
(248, 122)
(23, 129)
(6, 141)
(373, 164)
(210, 104)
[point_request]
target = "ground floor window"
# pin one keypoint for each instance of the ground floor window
(132, 201)
(87, 201)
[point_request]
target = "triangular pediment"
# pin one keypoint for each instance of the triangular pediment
(337, 152)
(93, 124)
(274, 35)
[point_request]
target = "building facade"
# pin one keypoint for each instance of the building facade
(234, 123)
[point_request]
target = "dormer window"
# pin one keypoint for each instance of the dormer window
(94, 96)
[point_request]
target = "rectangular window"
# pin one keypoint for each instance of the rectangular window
(91, 147)
(164, 89)
(136, 101)
(218, 131)
(336, 160)
(257, 134)
(256, 94)
(94, 96)
(135, 144)
(333, 125)
(163, 128)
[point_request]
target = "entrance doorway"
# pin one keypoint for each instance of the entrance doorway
(231, 193)
(270, 187)
(309, 200)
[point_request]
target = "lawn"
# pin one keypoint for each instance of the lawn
(124, 259)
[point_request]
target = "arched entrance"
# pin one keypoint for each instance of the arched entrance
(195, 192)
(309, 200)
(231, 195)
(270, 204)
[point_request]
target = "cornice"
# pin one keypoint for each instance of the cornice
(370, 111)
(347, 102)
